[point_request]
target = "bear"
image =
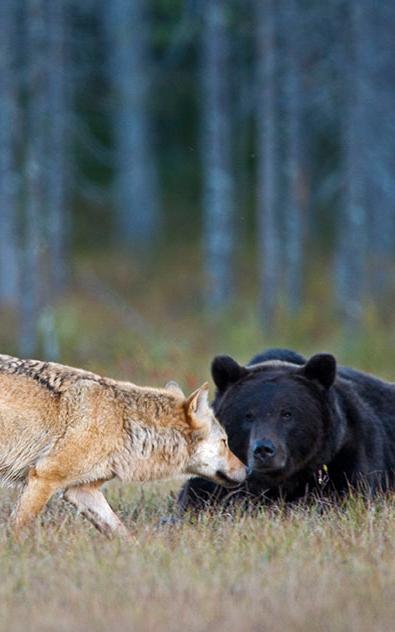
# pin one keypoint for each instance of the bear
(300, 426)
(287, 355)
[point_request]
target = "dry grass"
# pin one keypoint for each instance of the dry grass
(300, 568)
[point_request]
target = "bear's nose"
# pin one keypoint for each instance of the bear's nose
(264, 448)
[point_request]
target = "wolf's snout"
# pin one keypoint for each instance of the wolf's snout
(240, 475)
(232, 477)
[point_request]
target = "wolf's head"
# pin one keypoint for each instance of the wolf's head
(209, 453)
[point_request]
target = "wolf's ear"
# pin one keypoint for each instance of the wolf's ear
(321, 368)
(198, 409)
(226, 371)
(174, 388)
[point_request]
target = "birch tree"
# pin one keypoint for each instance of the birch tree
(218, 183)
(292, 78)
(34, 193)
(267, 161)
(136, 178)
(380, 90)
(8, 166)
(351, 270)
(57, 145)
(55, 165)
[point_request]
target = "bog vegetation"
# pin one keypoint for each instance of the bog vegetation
(306, 567)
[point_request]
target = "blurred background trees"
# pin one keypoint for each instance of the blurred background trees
(130, 70)
(227, 155)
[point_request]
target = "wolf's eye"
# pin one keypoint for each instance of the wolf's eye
(224, 443)
(285, 414)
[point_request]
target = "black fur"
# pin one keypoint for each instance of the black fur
(285, 355)
(325, 423)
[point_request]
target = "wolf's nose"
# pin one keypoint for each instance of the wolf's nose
(242, 474)
(264, 448)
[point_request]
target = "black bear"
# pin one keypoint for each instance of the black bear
(301, 425)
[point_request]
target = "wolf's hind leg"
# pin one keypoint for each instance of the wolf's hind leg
(90, 501)
(36, 494)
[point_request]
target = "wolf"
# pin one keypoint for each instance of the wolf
(70, 430)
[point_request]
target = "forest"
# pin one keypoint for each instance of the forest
(254, 138)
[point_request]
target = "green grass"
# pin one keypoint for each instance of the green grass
(303, 568)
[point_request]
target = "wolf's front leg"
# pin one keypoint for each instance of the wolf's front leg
(91, 502)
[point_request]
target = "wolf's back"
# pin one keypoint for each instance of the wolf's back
(54, 377)
(29, 420)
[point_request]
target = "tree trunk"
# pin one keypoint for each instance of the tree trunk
(293, 160)
(57, 146)
(267, 170)
(8, 170)
(218, 182)
(381, 153)
(136, 181)
(31, 287)
(352, 247)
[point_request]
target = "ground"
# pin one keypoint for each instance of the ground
(306, 568)
(317, 568)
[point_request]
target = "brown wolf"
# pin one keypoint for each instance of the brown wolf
(67, 429)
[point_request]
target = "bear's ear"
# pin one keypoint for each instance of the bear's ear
(321, 368)
(226, 371)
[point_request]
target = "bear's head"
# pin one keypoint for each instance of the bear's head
(276, 413)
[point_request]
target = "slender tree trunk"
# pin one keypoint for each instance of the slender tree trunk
(293, 165)
(137, 187)
(54, 275)
(218, 182)
(57, 143)
(8, 175)
(267, 152)
(381, 153)
(242, 98)
(352, 248)
(34, 194)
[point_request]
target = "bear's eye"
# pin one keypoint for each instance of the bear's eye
(285, 414)
(248, 416)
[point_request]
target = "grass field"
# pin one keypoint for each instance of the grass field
(303, 568)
